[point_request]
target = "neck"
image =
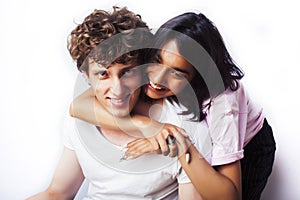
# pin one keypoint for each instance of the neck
(118, 138)
(149, 108)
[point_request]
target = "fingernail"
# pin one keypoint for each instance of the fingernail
(124, 148)
(125, 157)
(122, 158)
(129, 158)
(187, 158)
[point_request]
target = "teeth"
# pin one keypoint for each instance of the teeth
(116, 100)
(123, 99)
(155, 86)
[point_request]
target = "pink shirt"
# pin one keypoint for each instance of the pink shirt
(233, 119)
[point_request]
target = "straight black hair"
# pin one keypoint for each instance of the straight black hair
(200, 43)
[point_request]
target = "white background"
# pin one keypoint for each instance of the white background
(38, 76)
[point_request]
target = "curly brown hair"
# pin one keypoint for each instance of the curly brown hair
(93, 38)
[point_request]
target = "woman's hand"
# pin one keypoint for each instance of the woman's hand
(170, 140)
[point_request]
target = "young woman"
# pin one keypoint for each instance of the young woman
(241, 136)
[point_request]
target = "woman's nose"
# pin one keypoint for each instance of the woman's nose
(160, 76)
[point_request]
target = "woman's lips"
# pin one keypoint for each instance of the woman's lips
(156, 87)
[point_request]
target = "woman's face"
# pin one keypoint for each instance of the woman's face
(171, 75)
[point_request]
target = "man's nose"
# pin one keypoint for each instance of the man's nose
(117, 87)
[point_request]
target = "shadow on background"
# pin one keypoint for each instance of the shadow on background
(273, 185)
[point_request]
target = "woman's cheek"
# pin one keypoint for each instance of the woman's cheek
(179, 87)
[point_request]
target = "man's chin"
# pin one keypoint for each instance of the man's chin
(120, 113)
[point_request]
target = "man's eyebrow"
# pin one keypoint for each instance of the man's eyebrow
(98, 67)
(130, 67)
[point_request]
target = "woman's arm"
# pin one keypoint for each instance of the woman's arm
(87, 108)
(66, 181)
(211, 184)
(188, 191)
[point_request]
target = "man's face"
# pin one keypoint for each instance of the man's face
(116, 87)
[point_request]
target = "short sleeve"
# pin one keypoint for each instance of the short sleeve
(223, 122)
(201, 138)
(68, 130)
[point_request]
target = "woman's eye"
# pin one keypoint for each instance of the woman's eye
(177, 75)
(157, 59)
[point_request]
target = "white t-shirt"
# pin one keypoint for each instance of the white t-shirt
(198, 131)
(150, 176)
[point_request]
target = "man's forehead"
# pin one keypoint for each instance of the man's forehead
(94, 65)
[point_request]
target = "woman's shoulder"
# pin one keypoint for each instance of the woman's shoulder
(230, 99)
(240, 91)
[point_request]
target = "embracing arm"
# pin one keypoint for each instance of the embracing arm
(211, 184)
(187, 191)
(87, 108)
(66, 181)
(224, 184)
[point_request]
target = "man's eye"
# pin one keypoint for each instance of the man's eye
(102, 74)
(129, 72)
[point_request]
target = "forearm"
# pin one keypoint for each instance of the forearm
(47, 195)
(207, 181)
(87, 108)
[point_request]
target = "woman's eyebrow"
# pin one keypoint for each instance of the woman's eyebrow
(181, 70)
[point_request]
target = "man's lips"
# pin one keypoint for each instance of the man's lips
(119, 101)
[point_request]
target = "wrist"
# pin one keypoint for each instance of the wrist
(146, 125)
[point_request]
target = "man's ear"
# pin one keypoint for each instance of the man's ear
(86, 77)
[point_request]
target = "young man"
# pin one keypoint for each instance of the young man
(103, 47)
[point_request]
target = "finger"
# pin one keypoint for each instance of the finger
(163, 144)
(139, 150)
(171, 141)
(154, 143)
(183, 132)
(135, 142)
(136, 145)
(158, 151)
(179, 130)
(182, 144)
(173, 150)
